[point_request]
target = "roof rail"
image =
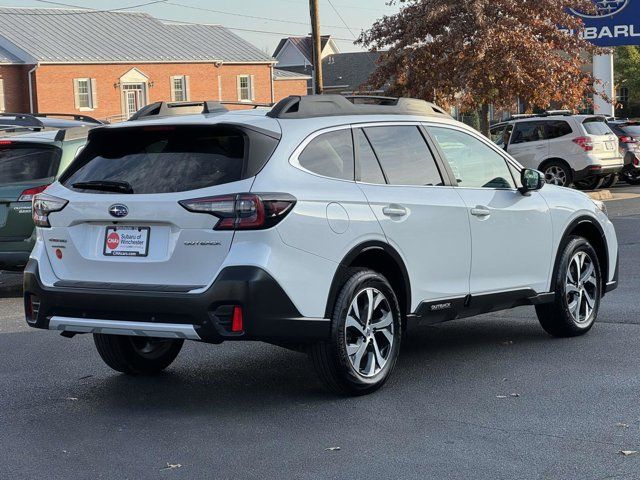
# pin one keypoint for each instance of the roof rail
(78, 118)
(170, 109)
(21, 120)
(295, 107)
(255, 105)
(73, 133)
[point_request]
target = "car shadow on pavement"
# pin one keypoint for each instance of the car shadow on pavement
(267, 377)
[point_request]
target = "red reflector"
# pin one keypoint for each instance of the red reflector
(5, 142)
(595, 167)
(236, 322)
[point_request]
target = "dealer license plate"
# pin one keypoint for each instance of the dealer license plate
(126, 241)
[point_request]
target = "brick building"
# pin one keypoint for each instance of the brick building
(110, 64)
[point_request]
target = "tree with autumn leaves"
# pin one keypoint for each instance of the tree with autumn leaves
(477, 53)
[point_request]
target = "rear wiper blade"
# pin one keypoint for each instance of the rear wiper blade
(105, 186)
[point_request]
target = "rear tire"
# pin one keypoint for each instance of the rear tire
(137, 355)
(632, 178)
(578, 285)
(609, 181)
(592, 183)
(364, 344)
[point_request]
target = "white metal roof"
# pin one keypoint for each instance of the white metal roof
(52, 35)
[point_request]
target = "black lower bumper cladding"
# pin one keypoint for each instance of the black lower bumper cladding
(268, 313)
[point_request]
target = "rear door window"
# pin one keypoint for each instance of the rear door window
(525, 132)
(596, 126)
(368, 168)
(404, 155)
(25, 162)
(330, 155)
(158, 159)
(557, 129)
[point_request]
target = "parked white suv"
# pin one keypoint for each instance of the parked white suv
(578, 150)
(322, 225)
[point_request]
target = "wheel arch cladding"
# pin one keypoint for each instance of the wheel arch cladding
(382, 258)
(591, 230)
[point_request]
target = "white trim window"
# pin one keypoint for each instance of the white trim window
(245, 88)
(2, 105)
(180, 88)
(85, 93)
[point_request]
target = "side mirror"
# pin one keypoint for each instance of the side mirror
(532, 180)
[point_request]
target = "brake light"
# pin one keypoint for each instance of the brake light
(627, 139)
(243, 211)
(43, 205)
(29, 193)
(585, 143)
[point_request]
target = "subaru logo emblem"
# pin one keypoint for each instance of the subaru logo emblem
(118, 211)
(605, 8)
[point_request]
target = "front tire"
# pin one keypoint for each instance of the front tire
(366, 331)
(578, 285)
(137, 355)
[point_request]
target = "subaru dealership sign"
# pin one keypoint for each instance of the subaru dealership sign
(616, 23)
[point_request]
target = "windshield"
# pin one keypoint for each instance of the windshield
(25, 162)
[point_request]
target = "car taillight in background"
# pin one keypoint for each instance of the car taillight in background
(244, 211)
(43, 205)
(28, 194)
(585, 143)
(627, 139)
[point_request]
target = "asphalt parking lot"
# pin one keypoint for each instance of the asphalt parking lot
(486, 398)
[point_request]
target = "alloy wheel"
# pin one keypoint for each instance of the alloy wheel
(581, 287)
(369, 332)
(555, 175)
(150, 347)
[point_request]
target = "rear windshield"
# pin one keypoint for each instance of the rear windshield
(595, 126)
(633, 130)
(22, 163)
(158, 159)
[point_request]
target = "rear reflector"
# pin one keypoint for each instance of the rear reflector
(237, 322)
(5, 142)
(28, 194)
(244, 211)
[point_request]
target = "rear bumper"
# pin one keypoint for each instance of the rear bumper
(596, 171)
(268, 313)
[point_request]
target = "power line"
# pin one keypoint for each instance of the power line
(91, 10)
(255, 17)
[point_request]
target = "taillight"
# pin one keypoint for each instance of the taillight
(585, 143)
(244, 211)
(29, 193)
(43, 205)
(627, 139)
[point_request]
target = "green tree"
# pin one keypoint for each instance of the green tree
(475, 53)
(627, 68)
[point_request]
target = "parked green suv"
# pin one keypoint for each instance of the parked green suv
(29, 163)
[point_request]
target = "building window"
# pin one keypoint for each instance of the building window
(245, 88)
(623, 95)
(85, 94)
(180, 88)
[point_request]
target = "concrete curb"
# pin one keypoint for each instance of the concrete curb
(601, 195)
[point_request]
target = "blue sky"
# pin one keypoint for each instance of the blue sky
(293, 15)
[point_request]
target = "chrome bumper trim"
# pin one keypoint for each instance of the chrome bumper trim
(118, 327)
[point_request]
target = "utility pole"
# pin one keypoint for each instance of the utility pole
(317, 46)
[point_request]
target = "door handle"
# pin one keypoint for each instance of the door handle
(480, 211)
(394, 211)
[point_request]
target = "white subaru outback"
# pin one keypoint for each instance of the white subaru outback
(327, 224)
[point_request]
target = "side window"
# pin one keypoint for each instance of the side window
(528, 132)
(367, 167)
(497, 134)
(404, 155)
(330, 155)
(474, 163)
(557, 129)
